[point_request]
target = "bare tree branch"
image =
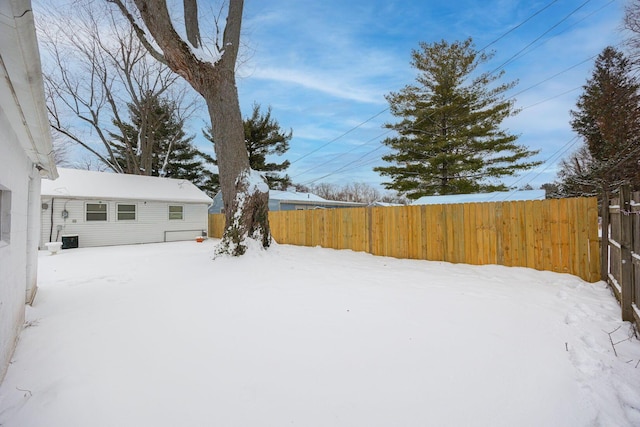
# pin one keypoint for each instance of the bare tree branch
(191, 22)
(95, 73)
(139, 31)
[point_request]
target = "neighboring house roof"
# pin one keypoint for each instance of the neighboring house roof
(278, 199)
(21, 84)
(384, 204)
(294, 196)
(75, 183)
(307, 198)
(496, 196)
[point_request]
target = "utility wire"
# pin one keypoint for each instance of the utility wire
(511, 59)
(518, 56)
(340, 136)
(550, 161)
(386, 109)
(519, 25)
(375, 138)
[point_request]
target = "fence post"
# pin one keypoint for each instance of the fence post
(604, 236)
(369, 231)
(626, 267)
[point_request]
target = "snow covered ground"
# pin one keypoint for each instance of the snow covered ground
(161, 335)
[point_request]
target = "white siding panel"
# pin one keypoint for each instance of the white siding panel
(151, 225)
(15, 169)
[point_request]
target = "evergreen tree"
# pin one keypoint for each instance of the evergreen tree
(449, 138)
(608, 119)
(264, 137)
(155, 144)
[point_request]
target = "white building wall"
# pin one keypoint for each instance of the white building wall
(151, 225)
(16, 170)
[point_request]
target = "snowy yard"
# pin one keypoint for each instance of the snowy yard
(160, 335)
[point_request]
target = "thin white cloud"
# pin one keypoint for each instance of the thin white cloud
(327, 84)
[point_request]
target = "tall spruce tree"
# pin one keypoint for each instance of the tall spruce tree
(449, 138)
(264, 137)
(156, 129)
(608, 119)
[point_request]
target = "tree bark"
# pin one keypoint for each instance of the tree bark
(245, 203)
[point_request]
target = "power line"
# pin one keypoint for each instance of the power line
(552, 97)
(552, 77)
(517, 56)
(511, 59)
(344, 154)
(344, 166)
(550, 160)
(519, 25)
(340, 136)
(386, 109)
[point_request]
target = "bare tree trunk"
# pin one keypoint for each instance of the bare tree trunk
(244, 192)
(246, 207)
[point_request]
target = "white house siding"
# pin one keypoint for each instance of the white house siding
(151, 225)
(25, 153)
(15, 171)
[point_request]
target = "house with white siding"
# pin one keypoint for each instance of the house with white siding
(25, 156)
(292, 201)
(87, 208)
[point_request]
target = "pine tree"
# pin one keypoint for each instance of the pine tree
(608, 119)
(449, 138)
(264, 137)
(155, 144)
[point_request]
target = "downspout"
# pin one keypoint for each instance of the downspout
(51, 230)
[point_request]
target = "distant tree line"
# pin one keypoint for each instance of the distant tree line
(358, 192)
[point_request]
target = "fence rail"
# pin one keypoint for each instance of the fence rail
(621, 251)
(558, 235)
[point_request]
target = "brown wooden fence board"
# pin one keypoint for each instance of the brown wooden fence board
(579, 241)
(535, 235)
(547, 231)
(556, 235)
(594, 242)
(490, 235)
(621, 239)
(434, 215)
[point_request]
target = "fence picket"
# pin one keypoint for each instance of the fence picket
(556, 235)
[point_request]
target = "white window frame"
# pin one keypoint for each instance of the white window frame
(135, 212)
(181, 213)
(86, 212)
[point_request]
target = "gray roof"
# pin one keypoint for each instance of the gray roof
(496, 196)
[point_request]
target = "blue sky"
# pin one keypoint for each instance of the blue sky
(325, 67)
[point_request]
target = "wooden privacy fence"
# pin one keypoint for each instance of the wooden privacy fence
(621, 251)
(558, 235)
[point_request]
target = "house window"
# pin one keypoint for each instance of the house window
(126, 212)
(176, 212)
(96, 212)
(5, 215)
